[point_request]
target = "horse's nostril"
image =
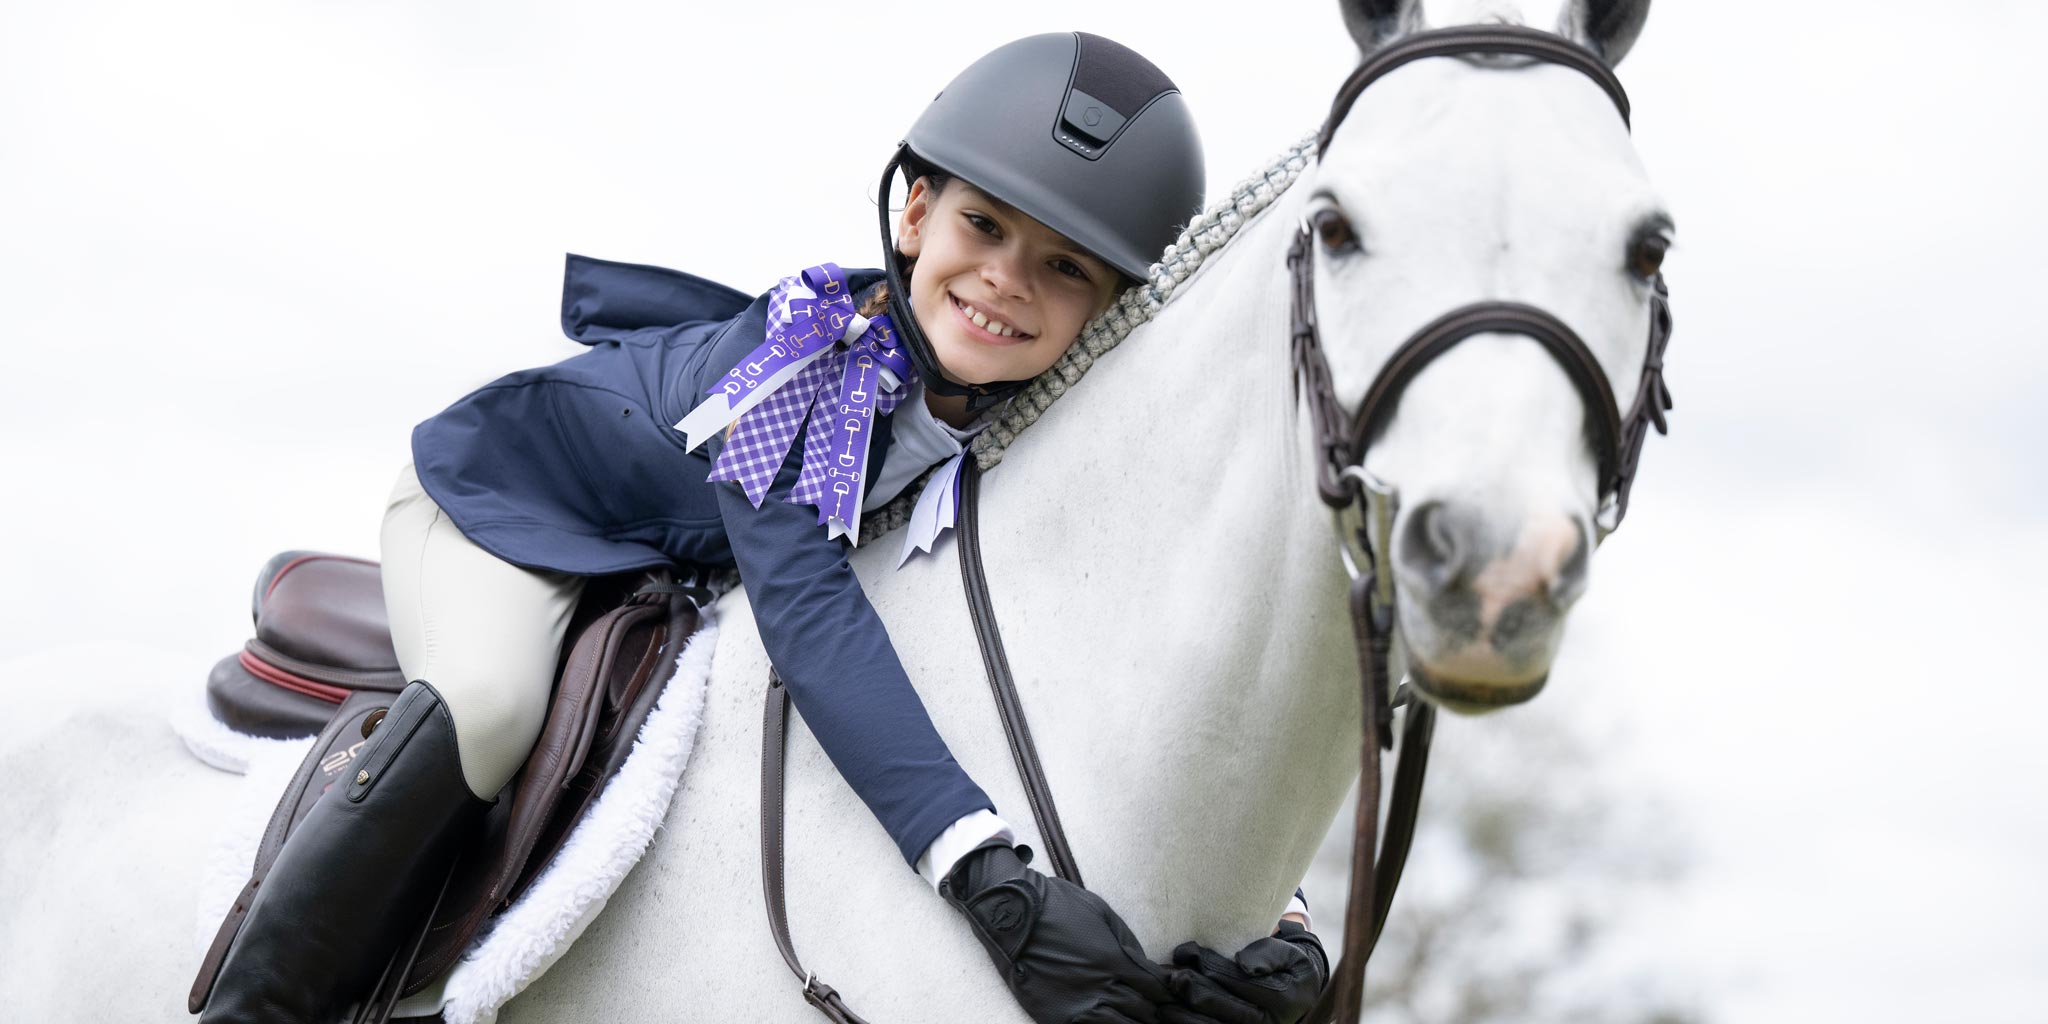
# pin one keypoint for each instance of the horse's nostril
(1431, 545)
(1565, 586)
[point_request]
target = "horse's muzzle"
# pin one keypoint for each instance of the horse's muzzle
(1473, 698)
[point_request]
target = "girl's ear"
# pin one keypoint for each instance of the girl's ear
(910, 223)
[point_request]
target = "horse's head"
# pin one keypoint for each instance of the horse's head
(1461, 179)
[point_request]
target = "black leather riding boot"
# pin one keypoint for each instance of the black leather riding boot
(355, 877)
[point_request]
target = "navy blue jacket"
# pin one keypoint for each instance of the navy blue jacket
(576, 468)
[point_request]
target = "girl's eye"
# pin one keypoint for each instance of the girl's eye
(981, 223)
(1071, 269)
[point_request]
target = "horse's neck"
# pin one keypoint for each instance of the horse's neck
(1167, 586)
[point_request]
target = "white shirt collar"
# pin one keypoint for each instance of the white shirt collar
(918, 441)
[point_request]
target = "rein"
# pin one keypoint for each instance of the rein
(1367, 912)
(1342, 438)
(1038, 793)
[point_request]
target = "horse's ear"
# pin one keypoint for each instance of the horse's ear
(1374, 23)
(1609, 27)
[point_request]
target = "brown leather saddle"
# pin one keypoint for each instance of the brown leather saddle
(322, 664)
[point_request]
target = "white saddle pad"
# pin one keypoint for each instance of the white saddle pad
(520, 944)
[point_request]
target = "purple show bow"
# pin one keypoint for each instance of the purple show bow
(785, 380)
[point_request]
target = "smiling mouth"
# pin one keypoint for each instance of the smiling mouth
(983, 334)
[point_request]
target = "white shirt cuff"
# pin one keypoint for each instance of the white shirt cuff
(959, 839)
(1296, 906)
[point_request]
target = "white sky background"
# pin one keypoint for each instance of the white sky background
(244, 247)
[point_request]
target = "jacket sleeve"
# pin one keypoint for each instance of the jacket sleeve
(841, 670)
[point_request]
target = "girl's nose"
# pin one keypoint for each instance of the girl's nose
(1003, 276)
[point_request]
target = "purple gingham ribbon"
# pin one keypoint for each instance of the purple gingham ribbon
(786, 380)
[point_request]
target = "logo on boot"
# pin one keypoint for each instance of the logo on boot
(335, 761)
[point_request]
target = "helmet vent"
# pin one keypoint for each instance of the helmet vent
(1116, 75)
(1111, 84)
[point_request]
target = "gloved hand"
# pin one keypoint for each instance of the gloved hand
(1066, 956)
(1275, 980)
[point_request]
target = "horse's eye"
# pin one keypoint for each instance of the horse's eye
(1334, 231)
(1646, 256)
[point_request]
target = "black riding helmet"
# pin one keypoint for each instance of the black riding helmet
(1077, 131)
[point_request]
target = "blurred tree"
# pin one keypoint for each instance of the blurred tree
(1530, 867)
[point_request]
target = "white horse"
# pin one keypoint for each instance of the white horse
(1165, 576)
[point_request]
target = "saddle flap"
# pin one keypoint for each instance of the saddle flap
(631, 682)
(565, 741)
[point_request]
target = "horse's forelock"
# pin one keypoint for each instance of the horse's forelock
(1446, 13)
(1607, 27)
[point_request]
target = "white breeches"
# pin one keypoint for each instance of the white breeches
(486, 633)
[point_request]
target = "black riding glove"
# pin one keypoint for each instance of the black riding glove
(1066, 956)
(1275, 980)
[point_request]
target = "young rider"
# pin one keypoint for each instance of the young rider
(1045, 178)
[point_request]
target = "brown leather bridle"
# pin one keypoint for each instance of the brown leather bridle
(1342, 438)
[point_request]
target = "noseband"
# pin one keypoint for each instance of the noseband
(1343, 437)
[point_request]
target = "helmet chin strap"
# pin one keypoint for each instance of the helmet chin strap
(979, 396)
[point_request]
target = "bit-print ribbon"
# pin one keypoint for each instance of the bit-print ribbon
(837, 482)
(787, 380)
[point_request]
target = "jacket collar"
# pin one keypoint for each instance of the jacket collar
(602, 300)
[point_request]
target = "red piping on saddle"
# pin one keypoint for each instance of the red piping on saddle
(297, 684)
(296, 562)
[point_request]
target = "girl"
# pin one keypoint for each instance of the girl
(1044, 178)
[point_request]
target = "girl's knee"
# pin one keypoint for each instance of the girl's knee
(495, 729)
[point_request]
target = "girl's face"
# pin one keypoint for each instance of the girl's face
(999, 295)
